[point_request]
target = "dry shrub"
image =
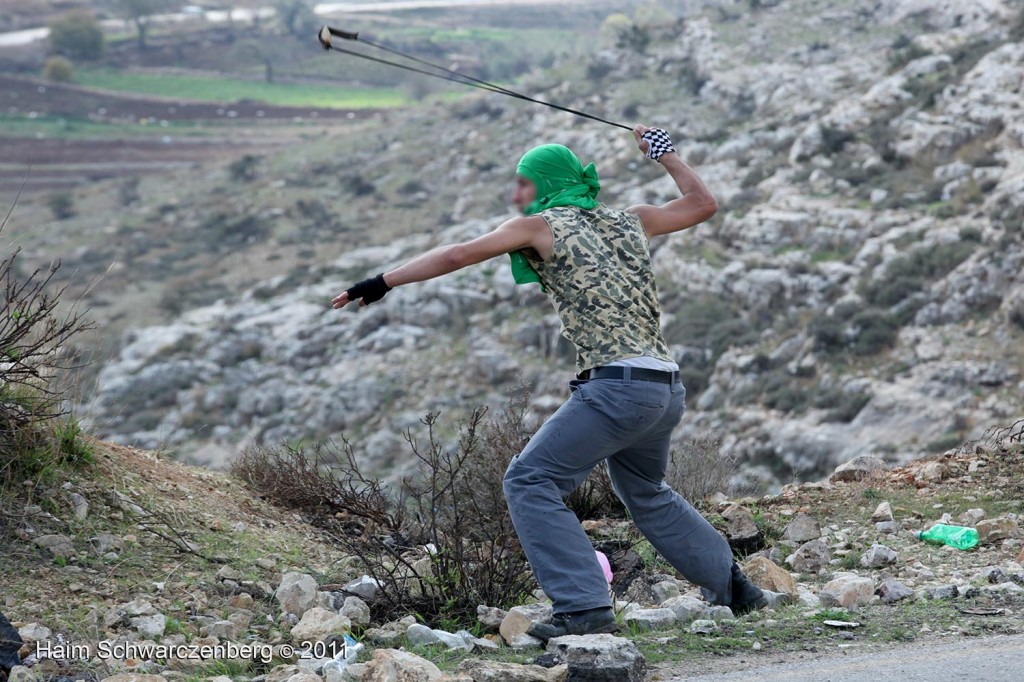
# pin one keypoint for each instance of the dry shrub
(596, 497)
(442, 543)
(38, 436)
(34, 355)
(323, 480)
(699, 468)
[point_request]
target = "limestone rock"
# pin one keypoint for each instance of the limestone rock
(892, 590)
(741, 530)
(972, 517)
(858, 468)
(769, 576)
(882, 513)
(364, 587)
(490, 617)
(599, 658)
(703, 626)
(524, 641)
(296, 593)
(304, 677)
(720, 613)
(520, 618)
(390, 632)
(888, 527)
(665, 589)
(847, 590)
(21, 673)
(686, 608)
(941, 592)
(58, 545)
(651, 619)
(356, 610)
(810, 557)
(34, 632)
(394, 665)
(498, 671)
(319, 623)
(803, 528)
(991, 530)
(151, 627)
(878, 556)
(222, 629)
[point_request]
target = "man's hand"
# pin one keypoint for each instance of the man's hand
(370, 290)
(653, 142)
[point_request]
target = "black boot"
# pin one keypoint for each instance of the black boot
(747, 597)
(587, 622)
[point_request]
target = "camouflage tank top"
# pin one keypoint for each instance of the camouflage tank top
(600, 279)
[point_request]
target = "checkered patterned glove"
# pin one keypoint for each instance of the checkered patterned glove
(659, 143)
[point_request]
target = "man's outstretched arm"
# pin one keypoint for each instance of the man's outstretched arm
(695, 206)
(512, 235)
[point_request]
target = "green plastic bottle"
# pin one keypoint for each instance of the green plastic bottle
(955, 536)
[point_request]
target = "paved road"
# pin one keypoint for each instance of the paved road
(989, 659)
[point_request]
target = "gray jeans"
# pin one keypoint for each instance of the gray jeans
(629, 422)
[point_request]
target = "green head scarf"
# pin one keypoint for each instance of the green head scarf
(561, 180)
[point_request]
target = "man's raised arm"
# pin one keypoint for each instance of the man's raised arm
(697, 203)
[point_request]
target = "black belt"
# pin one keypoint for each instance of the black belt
(641, 373)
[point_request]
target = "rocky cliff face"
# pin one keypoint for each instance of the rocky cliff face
(859, 291)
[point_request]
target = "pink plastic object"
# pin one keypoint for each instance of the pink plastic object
(605, 566)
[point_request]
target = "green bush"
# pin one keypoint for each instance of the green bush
(908, 274)
(876, 331)
(903, 51)
(861, 331)
(782, 392)
(77, 35)
(58, 69)
(835, 139)
(243, 169)
(709, 321)
(61, 205)
(943, 443)
(843, 406)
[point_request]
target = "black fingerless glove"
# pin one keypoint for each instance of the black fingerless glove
(370, 290)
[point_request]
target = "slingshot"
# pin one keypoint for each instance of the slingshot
(328, 33)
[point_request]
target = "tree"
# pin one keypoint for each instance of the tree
(138, 12)
(652, 13)
(296, 17)
(613, 26)
(268, 52)
(77, 35)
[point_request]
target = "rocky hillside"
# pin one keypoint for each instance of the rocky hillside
(858, 292)
(140, 551)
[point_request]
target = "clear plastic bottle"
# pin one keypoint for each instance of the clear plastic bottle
(346, 656)
(960, 537)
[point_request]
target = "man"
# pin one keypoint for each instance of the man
(594, 263)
